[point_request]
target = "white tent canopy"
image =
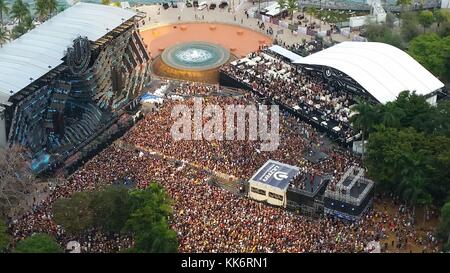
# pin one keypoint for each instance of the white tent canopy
(285, 53)
(37, 52)
(381, 69)
(273, 9)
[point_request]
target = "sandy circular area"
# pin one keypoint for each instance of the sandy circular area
(239, 40)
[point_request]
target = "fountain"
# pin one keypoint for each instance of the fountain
(195, 61)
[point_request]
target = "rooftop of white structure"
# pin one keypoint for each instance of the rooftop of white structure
(381, 69)
(42, 49)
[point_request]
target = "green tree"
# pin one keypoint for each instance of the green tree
(417, 112)
(292, 6)
(41, 10)
(4, 237)
(18, 31)
(375, 32)
(140, 213)
(441, 16)
(52, 6)
(111, 208)
(74, 213)
(404, 4)
(20, 10)
(282, 4)
(392, 115)
(383, 34)
(148, 222)
(154, 199)
(364, 118)
(4, 36)
(395, 159)
(390, 19)
(38, 243)
(28, 23)
(437, 148)
(426, 19)
(413, 180)
(444, 224)
(312, 12)
(106, 2)
(4, 10)
(408, 151)
(22, 28)
(433, 52)
(409, 30)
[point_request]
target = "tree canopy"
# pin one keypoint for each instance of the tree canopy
(148, 222)
(74, 213)
(382, 33)
(38, 243)
(20, 10)
(444, 225)
(111, 208)
(4, 10)
(433, 52)
(4, 36)
(4, 237)
(143, 214)
(16, 180)
(426, 18)
(409, 148)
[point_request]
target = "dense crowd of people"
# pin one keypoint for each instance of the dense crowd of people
(208, 218)
(303, 48)
(194, 89)
(239, 158)
(305, 93)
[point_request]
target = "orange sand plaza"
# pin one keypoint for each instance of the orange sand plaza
(239, 40)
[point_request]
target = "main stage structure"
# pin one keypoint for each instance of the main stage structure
(66, 80)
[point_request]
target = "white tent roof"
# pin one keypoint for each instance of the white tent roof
(285, 53)
(273, 9)
(383, 70)
(37, 52)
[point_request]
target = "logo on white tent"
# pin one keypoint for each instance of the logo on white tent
(280, 175)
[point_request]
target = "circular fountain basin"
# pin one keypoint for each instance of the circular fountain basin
(195, 56)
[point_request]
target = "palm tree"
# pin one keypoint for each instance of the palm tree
(292, 6)
(41, 9)
(311, 11)
(28, 23)
(404, 4)
(282, 4)
(363, 119)
(422, 3)
(52, 6)
(4, 10)
(4, 36)
(412, 186)
(392, 115)
(438, 15)
(18, 31)
(20, 10)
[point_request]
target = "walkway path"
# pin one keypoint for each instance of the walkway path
(157, 16)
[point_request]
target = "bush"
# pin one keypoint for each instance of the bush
(38, 243)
